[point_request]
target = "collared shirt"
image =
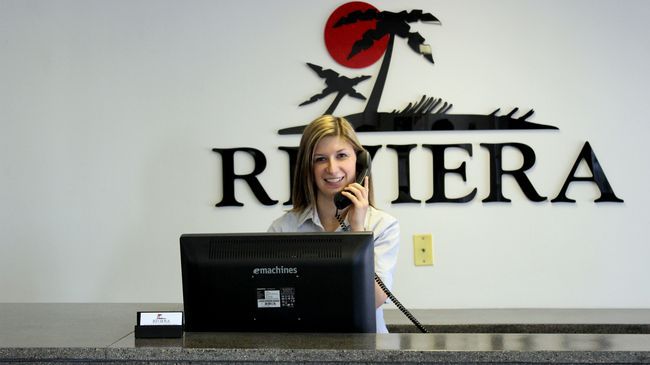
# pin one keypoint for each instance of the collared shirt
(386, 233)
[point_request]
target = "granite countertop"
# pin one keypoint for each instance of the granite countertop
(524, 320)
(104, 333)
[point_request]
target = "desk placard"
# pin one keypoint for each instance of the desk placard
(164, 324)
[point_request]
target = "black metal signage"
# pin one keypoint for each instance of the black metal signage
(356, 35)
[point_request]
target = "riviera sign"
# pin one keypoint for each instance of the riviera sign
(497, 172)
(357, 34)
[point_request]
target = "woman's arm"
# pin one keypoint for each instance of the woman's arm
(380, 296)
(387, 235)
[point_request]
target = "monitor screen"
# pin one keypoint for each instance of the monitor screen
(280, 282)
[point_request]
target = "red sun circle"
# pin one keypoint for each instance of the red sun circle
(339, 40)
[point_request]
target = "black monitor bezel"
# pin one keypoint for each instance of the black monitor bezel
(339, 291)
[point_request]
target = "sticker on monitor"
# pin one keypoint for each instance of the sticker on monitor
(276, 297)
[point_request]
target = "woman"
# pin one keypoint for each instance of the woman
(326, 165)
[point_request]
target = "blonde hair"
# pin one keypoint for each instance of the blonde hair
(304, 190)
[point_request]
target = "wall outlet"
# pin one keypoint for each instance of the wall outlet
(423, 249)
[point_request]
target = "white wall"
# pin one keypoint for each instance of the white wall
(109, 111)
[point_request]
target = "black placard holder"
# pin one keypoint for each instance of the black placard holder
(158, 331)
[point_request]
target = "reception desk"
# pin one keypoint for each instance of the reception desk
(103, 333)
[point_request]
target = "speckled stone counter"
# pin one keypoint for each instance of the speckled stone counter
(630, 321)
(103, 333)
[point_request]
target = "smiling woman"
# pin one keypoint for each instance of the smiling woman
(325, 166)
(334, 167)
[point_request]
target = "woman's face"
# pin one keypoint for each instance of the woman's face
(334, 165)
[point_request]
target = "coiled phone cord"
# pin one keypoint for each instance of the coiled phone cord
(399, 305)
(344, 226)
(383, 286)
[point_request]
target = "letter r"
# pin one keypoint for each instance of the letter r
(229, 176)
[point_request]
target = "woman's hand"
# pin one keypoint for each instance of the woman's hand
(358, 195)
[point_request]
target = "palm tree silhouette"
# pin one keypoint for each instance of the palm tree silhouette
(335, 83)
(424, 115)
(391, 24)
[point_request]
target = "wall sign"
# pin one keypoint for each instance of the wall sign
(357, 35)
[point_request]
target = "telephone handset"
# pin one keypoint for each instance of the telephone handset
(363, 170)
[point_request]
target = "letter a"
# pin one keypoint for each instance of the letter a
(597, 176)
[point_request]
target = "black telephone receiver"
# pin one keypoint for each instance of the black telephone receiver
(363, 170)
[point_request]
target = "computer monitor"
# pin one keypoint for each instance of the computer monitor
(279, 282)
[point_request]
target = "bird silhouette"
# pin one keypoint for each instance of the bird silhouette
(335, 83)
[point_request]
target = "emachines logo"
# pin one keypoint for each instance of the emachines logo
(278, 270)
(358, 35)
